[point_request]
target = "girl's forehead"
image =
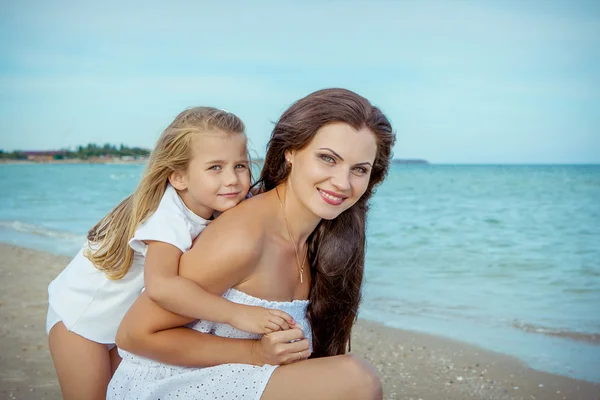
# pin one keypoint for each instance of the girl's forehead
(215, 143)
(216, 133)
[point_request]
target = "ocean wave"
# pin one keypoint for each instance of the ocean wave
(42, 231)
(593, 338)
(399, 310)
(118, 177)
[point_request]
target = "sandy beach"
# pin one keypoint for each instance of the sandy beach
(412, 365)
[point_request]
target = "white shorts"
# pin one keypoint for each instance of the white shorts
(52, 319)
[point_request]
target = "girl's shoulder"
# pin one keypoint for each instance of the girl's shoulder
(173, 211)
(172, 222)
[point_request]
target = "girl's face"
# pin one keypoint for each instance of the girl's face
(332, 172)
(218, 177)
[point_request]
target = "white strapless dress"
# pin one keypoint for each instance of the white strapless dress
(139, 378)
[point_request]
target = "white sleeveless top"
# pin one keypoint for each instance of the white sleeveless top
(89, 303)
(140, 378)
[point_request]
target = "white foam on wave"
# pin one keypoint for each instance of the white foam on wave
(121, 176)
(593, 338)
(42, 231)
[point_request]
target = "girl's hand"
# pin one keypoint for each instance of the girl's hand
(256, 319)
(279, 348)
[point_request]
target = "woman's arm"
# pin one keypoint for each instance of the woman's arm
(146, 328)
(189, 348)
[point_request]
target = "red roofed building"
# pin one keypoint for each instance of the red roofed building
(45, 155)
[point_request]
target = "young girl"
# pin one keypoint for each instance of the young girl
(198, 167)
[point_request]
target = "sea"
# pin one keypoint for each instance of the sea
(506, 257)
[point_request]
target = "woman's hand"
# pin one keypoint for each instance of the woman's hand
(281, 347)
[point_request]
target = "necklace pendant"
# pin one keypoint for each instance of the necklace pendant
(300, 266)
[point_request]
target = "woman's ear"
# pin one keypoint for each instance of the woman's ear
(178, 179)
(289, 157)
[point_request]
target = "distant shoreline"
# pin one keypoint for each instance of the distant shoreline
(260, 161)
(141, 162)
(409, 161)
(73, 161)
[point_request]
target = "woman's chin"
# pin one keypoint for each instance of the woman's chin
(329, 212)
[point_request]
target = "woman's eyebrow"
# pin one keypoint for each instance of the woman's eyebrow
(334, 153)
(340, 157)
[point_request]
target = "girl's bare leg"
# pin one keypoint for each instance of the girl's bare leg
(83, 367)
(115, 360)
(340, 377)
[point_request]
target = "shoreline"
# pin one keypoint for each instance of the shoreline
(410, 364)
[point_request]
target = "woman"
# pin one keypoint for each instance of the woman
(298, 246)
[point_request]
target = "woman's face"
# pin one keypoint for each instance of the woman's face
(332, 172)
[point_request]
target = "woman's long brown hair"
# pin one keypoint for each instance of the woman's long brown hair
(336, 248)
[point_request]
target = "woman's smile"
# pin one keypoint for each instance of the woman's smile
(331, 197)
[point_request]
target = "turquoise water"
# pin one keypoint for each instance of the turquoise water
(505, 257)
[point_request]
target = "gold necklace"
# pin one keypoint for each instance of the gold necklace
(300, 266)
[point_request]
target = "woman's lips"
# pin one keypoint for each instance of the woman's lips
(331, 197)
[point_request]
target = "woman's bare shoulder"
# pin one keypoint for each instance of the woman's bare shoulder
(230, 247)
(243, 226)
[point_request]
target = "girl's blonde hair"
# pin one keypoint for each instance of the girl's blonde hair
(109, 239)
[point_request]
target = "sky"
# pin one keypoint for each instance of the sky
(496, 81)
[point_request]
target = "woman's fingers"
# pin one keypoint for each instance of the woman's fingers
(301, 352)
(299, 345)
(287, 335)
(284, 347)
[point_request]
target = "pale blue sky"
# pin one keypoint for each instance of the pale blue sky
(463, 81)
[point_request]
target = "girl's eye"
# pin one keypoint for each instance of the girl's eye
(241, 166)
(215, 168)
(361, 170)
(327, 158)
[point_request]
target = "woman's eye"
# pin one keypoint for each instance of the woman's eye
(215, 168)
(241, 166)
(361, 170)
(327, 158)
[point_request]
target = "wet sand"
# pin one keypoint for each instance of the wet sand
(412, 365)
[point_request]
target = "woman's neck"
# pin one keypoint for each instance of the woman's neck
(300, 220)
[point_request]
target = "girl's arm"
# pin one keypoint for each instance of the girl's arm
(182, 296)
(177, 294)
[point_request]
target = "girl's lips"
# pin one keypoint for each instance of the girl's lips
(230, 195)
(331, 198)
